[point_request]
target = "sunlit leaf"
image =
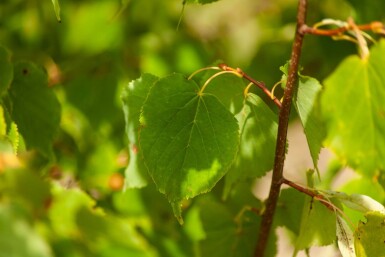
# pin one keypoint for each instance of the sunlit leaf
(133, 98)
(35, 108)
(306, 104)
(353, 105)
(345, 238)
(188, 139)
(369, 236)
(258, 130)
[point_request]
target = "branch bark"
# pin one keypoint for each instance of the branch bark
(280, 151)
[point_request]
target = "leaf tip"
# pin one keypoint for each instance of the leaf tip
(177, 209)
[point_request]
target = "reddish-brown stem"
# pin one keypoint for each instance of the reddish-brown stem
(375, 26)
(309, 192)
(277, 179)
(259, 84)
(262, 86)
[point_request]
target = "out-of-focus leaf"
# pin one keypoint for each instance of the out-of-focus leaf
(95, 97)
(56, 7)
(35, 108)
(18, 238)
(70, 200)
(28, 187)
(6, 70)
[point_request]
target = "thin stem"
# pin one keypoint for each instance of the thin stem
(277, 179)
(310, 192)
(375, 26)
(259, 84)
(262, 86)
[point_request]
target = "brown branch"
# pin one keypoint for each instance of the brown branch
(277, 179)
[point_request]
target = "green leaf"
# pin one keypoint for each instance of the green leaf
(353, 105)
(56, 8)
(226, 87)
(370, 236)
(133, 98)
(257, 144)
(6, 70)
(35, 108)
(306, 105)
(188, 139)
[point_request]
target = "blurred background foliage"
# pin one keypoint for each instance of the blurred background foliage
(74, 205)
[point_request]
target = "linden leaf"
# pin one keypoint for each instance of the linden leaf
(353, 105)
(188, 139)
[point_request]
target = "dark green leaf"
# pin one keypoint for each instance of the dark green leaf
(35, 108)
(257, 146)
(189, 139)
(6, 70)
(353, 105)
(133, 98)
